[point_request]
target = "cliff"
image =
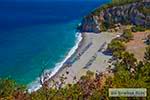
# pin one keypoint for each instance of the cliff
(137, 13)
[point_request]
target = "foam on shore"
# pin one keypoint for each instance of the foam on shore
(34, 86)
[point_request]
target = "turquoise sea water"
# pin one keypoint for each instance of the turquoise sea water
(39, 34)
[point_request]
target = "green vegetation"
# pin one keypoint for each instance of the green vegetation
(148, 40)
(112, 4)
(145, 10)
(123, 2)
(116, 47)
(103, 26)
(127, 35)
(128, 73)
(138, 29)
(110, 20)
(123, 78)
(147, 53)
(9, 89)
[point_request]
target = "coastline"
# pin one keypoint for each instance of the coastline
(86, 64)
(87, 54)
(99, 64)
(50, 74)
(80, 44)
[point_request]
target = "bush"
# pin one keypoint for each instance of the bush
(104, 26)
(102, 8)
(127, 35)
(112, 4)
(147, 53)
(122, 2)
(138, 29)
(116, 46)
(148, 40)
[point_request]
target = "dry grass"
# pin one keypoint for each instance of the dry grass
(137, 45)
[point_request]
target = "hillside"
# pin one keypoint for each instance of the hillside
(136, 13)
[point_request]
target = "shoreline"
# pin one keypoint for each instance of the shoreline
(77, 69)
(82, 57)
(79, 43)
(34, 86)
(76, 51)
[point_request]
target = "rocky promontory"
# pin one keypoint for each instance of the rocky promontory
(135, 13)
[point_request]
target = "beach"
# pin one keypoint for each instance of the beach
(71, 50)
(89, 56)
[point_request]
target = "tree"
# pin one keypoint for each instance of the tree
(121, 2)
(138, 28)
(147, 53)
(145, 70)
(129, 60)
(127, 35)
(116, 46)
(9, 89)
(148, 39)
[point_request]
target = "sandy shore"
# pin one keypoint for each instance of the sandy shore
(89, 56)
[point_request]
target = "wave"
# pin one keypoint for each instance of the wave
(34, 86)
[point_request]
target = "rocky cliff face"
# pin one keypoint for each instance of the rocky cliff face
(90, 24)
(125, 14)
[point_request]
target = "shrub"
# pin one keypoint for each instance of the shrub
(147, 53)
(127, 35)
(115, 46)
(148, 40)
(138, 29)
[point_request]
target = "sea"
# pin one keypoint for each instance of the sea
(39, 34)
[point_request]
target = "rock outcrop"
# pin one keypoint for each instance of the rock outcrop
(124, 14)
(90, 24)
